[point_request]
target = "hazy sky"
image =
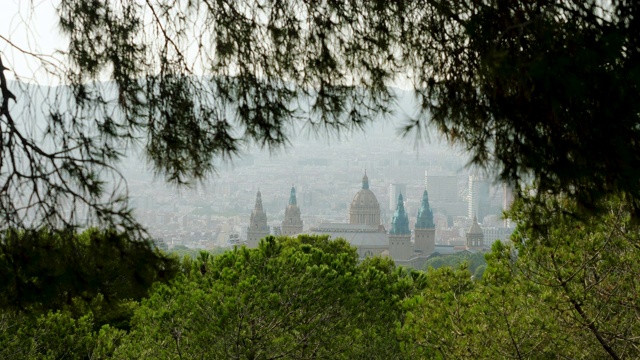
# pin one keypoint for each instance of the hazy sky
(31, 25)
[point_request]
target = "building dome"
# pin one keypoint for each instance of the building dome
(475, 228)
(365, 208)
(365, 199)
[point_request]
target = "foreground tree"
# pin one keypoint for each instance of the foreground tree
(542, 90)
(472, 261)
(571, 293)
(56, 335)
(44, 270)
(591, 269)
(567, 292)
(304, 298)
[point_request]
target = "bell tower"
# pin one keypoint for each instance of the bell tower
(400, 235)
(475, 236)
(292, 223)
(425, 230)
(258, 227)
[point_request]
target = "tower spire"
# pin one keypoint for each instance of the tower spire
(400, 221)
(258, 205)
(365, 180)
(292, 223)
(425, 215)
(258, 227)
(292, 196)
(425, 230)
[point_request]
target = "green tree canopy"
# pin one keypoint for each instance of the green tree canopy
(303, 298)
(569, 291)
(472, 261)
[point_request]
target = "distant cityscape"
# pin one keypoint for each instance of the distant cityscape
(326, 176)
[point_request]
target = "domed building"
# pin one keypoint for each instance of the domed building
(365, 209)
(364, 230)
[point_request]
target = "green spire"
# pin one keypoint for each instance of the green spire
(292, 196)
(425, 215)
(400, 221)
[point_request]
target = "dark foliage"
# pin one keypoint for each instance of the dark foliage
(43, 270)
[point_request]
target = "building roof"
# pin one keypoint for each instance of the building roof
(359, 235)
(445, 249)
(345, 227)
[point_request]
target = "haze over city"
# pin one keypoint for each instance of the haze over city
(326, 174)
